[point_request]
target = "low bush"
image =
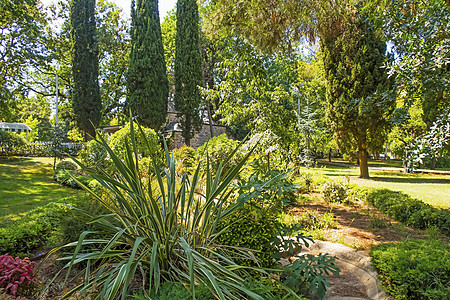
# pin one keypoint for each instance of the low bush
(414, 269)
(312, 220)
(335, 191)
(66, 177)
(93, 155)
(217, 151)
(185, 157)
(252, 227)
(66, 165)
(147, 143)
(10, 141)
(20, 237)
(16, 277)
(401, 207)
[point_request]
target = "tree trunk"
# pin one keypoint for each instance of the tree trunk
(433, 163)
(329, 155)
(211, 130)
(363, 166)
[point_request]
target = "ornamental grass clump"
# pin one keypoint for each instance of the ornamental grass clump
(158, 230)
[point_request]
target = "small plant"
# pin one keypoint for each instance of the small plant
(66, 165)
(16, 276)
(251, 227)
(335, 191)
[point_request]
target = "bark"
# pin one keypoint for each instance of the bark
(329, 155)
(363, 165)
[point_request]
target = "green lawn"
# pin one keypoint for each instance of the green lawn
(430, 188)
(26, 183)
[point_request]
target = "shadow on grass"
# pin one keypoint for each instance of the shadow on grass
(20, 161)
(398, 179)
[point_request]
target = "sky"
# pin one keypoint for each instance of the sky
(164, 6)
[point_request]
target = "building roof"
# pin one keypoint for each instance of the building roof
(14, 127)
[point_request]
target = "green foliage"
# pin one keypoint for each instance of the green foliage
(335, 191)
(20, 237)
(164, 229)
(148, 85)
(66, 165)
(414, 269)
(70, 178)
(353, 55)
(93, 154)
(422, 68)
(186, 159)
(312, 220)
(176, 290)
(22, 26)
(87, 103)
(147, 143)
(188, 68)
(251, 227)
(217, 150)
(10, 141)
(403, 208)
(314, 269)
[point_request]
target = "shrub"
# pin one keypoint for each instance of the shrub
(414, 269)
(185, 158)
(66, 177)
(218, 149)
(335, 191)
(93, 154)
(29, 232)
(401, 207)
(66, 165)
(10, 141)
(252, 227)
(312, 219)
(118, 141)
(16, 276)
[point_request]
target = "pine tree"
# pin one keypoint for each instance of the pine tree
(148, 86)
(353, 55)
(188, 68)
(87, 104)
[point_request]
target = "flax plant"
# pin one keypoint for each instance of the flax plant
(158, 230)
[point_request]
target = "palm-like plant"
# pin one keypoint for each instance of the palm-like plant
(163, 229)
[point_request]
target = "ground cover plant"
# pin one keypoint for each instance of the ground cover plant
(26, 183)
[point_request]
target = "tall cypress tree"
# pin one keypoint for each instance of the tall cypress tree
(87, 104)
(188, 68)
(353, 56)
(148, 86)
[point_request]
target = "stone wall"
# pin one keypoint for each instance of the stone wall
(201, 137)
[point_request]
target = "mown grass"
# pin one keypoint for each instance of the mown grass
(26, 183)
(430, 188)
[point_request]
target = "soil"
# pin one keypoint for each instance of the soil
(359, 227)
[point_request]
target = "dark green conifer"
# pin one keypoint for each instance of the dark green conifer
(148, 87)
(353, 56)
(87, 104)
(188, 68)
